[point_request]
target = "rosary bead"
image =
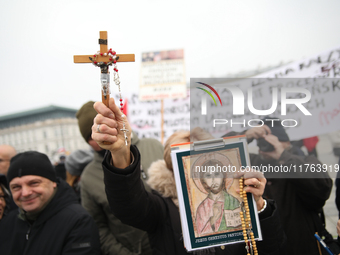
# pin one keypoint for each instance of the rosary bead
(104, 66)
(246, 221)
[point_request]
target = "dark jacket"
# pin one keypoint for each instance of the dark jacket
(299, 197)
(8, 198)
(337, 191)
(159, 216)
(63, 227)
(116, 237)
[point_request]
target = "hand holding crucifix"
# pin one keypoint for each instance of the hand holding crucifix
(105, 132)
(103, 59)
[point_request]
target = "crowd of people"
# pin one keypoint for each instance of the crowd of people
(118, 199)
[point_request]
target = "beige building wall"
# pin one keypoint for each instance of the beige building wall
(46, 136)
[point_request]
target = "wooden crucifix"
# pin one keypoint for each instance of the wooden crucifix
(103, 59)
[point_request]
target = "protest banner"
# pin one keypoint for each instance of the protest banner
(318, 74)
(162, 75)
(145, 116)
(304, 95)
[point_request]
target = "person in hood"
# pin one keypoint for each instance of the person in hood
(75, 164)
(49, 219)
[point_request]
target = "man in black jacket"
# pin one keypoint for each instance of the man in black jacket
(50, 220)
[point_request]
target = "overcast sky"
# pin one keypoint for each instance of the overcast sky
(39, 38)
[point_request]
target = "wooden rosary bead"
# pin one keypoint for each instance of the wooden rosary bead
(246, 221)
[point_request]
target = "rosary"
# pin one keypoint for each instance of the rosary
(105, 80)
(248, 234)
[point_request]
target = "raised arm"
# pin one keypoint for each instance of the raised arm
(128, 199)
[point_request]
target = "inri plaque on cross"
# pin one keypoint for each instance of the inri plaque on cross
(103, 59)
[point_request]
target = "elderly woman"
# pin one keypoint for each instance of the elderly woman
(157, 212)
(4, 196)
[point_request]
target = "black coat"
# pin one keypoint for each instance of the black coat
(300, 196)
(63, 227)
(160, 217)
(337, 191)
(8, 199)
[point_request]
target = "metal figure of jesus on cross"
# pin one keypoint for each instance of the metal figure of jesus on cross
(103, 59)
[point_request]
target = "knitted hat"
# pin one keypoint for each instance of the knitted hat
(77, 160)
(276, 128)
(31, 163)
(85, 117)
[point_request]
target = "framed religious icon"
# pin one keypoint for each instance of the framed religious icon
(207, 181)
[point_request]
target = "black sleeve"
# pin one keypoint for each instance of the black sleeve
(313, 187)
(267, 212)
(274, 238)
(83, 239)
(337, 191)
(127, 197)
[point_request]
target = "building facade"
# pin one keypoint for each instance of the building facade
(49, 130)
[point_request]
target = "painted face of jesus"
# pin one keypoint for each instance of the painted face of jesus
(212, 180)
